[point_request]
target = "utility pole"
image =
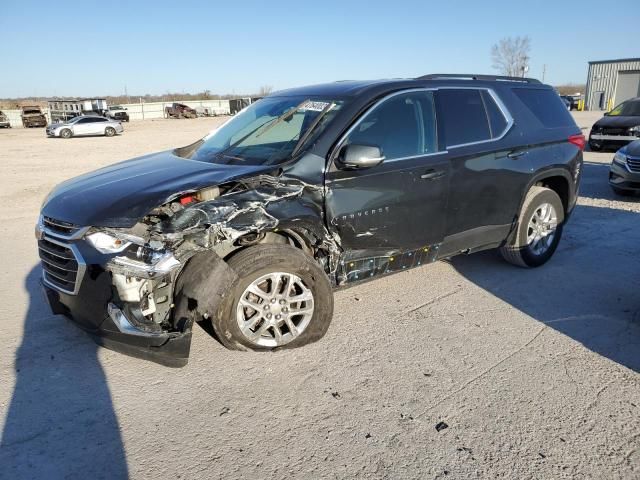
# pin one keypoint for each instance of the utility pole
(544, 71)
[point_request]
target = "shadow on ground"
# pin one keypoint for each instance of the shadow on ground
(61, 422)
(588, 290)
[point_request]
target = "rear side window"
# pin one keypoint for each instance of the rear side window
(463, 115)
(546, 106)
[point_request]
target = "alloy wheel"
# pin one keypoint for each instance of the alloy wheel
(275, 309)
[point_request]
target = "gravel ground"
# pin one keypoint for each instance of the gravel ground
(463, 369)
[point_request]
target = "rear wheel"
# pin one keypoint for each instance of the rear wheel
(538, 231)
(65, 133)
(110, 131)
(282, 299)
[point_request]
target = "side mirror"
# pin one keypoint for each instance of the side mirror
(360, 156)
(606, 114)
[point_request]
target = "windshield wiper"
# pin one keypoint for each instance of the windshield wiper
(273, 122)
(282, 117)
(312, 127)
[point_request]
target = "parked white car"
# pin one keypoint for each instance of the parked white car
(85, 125)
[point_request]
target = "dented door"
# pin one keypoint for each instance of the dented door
(400, 204)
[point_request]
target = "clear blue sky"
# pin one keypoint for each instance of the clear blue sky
(87, 47)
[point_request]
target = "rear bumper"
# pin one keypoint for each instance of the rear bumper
(111, 328)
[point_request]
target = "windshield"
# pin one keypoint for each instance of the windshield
(268, 132)
(628, 109)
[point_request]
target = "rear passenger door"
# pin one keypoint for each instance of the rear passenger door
(82, 126)
(96, 126)
(487, 178)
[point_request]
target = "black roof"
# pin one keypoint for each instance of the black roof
(351, 88)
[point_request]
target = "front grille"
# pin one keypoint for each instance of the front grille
(62, 268)
(614, 131)
(58, 226)
(634, 164)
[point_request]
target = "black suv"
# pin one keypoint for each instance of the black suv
(247, 230)
(618, 127)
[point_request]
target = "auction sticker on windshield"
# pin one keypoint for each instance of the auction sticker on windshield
(313, 106)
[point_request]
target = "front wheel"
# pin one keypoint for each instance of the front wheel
(65, 133)
(538, 230)
(110, 131)
(282, 299)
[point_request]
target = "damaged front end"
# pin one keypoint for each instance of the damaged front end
(141, 289)
(115, 285)
(137, 252)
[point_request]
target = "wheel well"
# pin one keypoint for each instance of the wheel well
(558, 184)
(298, 239)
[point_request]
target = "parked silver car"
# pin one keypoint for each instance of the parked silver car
(85, 125)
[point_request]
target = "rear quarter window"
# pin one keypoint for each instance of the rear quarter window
(546, 106)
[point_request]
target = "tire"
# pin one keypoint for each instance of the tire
(109, 131)
(622, 192)
(595, 147)
(65, 133)
(521, 250)
(251, 265)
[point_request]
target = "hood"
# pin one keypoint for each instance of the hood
(633, 149)
(618, 121)
(121, 194)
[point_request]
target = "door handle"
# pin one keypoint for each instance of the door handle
(517, 154)
(432, 174)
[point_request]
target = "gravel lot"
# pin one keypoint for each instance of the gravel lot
(464, 369)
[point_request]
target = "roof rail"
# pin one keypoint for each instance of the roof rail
(471, 76)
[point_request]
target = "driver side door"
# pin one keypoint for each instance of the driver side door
(390, 216)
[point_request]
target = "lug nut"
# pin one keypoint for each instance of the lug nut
(268, 315)
(282, 301)
(273, 300)
(285, 309)
(278, 317)
(267, 307)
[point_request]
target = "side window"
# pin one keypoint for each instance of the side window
(463, 116)
(402, 126)
(546, 106)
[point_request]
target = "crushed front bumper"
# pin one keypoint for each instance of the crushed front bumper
(92, 310)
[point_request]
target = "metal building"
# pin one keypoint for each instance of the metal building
(611, 82)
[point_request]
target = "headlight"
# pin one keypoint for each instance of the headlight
(105, 243)
(620, 158)
(635, 130)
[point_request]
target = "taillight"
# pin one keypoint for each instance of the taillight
(578, 140)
